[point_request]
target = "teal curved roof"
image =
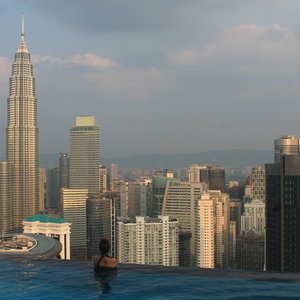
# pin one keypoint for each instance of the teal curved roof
(45, 219)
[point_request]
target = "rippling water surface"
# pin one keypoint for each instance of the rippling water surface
(52, 279)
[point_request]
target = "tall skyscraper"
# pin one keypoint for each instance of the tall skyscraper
(282, 214)
(22, 136)
(84, 154)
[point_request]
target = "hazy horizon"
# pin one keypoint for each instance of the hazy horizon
(164, 77)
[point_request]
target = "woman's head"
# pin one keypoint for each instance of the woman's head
(104, 246)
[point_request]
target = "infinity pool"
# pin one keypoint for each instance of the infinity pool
(55, 279)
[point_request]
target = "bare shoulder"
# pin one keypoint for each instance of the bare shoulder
(114, 262)
(111, 262)
(95, 260)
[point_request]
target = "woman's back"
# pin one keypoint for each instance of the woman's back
(105, 261)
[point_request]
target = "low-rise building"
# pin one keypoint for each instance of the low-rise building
(52, 227)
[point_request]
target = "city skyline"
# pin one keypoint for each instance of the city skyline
(171, 77)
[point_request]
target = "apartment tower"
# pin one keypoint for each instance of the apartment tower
(148, 241)
(213, 230)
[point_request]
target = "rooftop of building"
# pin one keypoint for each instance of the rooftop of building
(159, 219)
(45, 219)
(29, 245)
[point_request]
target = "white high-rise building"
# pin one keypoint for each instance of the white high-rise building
(84, 154)
(213, 230)
(253, 216)
(148, 241)
(73, 203)
(22, 137)
(180, 199)
(206, 233)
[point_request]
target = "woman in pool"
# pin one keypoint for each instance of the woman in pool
(104, 262)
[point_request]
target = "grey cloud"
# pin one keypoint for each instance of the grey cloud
(113, 15)
(138, 16)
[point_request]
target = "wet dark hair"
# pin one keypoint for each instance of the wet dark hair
(104, 246)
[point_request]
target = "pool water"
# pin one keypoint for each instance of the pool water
(55, 279)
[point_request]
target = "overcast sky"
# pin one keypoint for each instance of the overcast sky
(160, 76)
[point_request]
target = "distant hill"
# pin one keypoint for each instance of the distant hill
(227, 158)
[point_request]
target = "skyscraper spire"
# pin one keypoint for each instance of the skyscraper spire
(22, 45)
(22, 30)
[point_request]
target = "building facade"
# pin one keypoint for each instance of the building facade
(64, 170)
(250, 251)
(258, 183)
(84, 154)
(52, 188)
(148, 241)
(52, 227)
(212, 175)
(213, 230)
(42, 189)
(283, 214)
(101, 220)
(253, 216)
(5, 198)
(159, 183)
(180, 200)
(134, 197)
(22, 137)
(104, 179)
(73, 207)
(286, 145)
